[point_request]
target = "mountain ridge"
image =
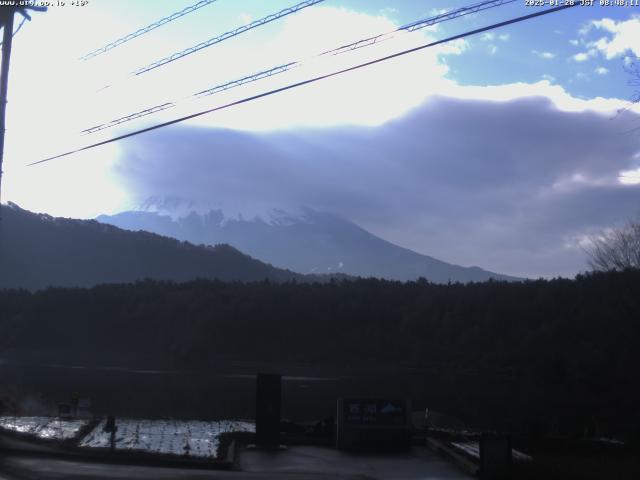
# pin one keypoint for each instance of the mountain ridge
(38, 251)
(314, 242)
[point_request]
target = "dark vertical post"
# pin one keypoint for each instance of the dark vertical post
(7, 37)
(111, 428)
(495, 457)
(268, 398)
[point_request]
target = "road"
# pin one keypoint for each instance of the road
(20, 467)
(297, 463)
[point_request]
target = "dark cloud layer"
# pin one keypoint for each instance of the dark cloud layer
(510, 186)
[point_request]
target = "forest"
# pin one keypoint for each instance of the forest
(543, 357)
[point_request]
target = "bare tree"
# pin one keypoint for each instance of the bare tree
(633, 69)
(619, 248)
(616, 249)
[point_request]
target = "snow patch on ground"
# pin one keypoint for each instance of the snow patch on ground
(191, 438)
(44, 427)
(473, 449)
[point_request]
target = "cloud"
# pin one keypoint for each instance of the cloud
(245, 18)
(555, 94)
(438, 11)
(544, 55)
(495, 177)
(302, 37)
(387, 11)
(602, 70)
(624, 38)
(630, 177)
(297, 37)
(490, 37)
(584, 56)
(585, 29)
(502, 176)
(370, 96)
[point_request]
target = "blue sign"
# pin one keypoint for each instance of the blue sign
(374, 412)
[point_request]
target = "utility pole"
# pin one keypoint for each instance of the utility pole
(7, 36)
(6, 22)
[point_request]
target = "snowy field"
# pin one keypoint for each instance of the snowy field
(473, 449)
(195, 439)
(44, 427)
(191, 438)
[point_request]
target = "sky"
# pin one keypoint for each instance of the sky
(506, 149)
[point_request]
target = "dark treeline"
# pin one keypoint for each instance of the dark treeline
(556, 356)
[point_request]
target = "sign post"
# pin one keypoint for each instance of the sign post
(268, 399)
(373, 423)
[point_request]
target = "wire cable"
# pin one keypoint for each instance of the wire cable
(374, 40)
(24, 19)
(226, 35)
(147, 29)
(308, 81)
(411, 27)
(422, 23)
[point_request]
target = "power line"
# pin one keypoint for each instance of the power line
(24, 19)
(128, 118)
(420, 24)
(411, 27)
(374, 40)
(308, 81)
(227, 35)
(147, 29)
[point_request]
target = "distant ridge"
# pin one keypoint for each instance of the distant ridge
(37, 251)
(312, 242)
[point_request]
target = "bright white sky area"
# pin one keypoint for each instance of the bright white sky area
(505, 149)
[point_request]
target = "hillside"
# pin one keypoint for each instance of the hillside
(37, 251)
(315, 242)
